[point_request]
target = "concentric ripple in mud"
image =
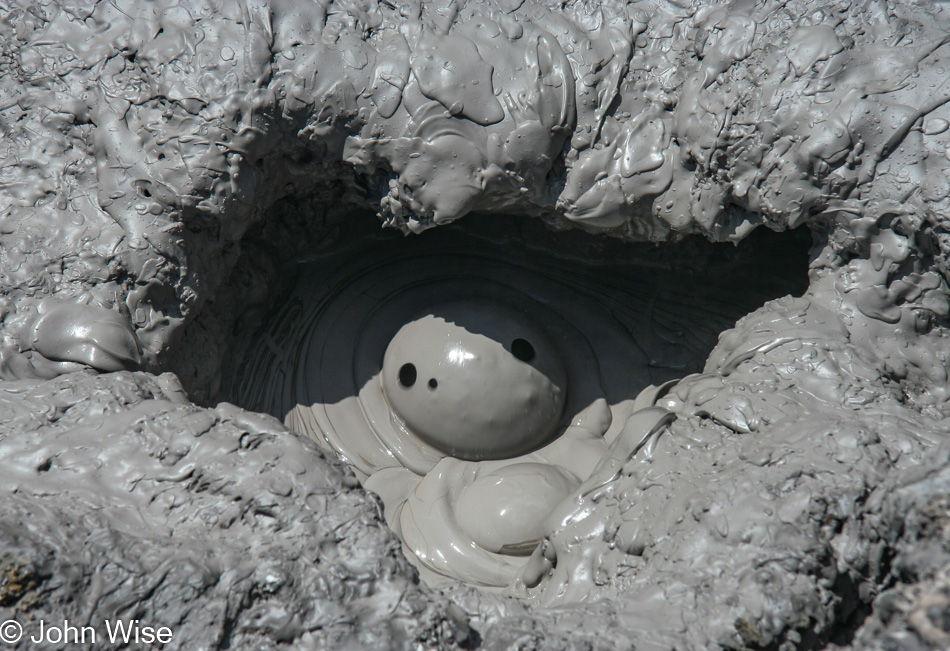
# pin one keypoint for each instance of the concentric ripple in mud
(475, 385)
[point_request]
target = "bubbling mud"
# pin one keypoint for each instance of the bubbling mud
(491, 394)
(475, 384)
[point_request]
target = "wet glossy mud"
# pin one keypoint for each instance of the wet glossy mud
(450, 373)
(163, 163)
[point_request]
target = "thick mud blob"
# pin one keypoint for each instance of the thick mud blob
(491, 393)
(475, 384)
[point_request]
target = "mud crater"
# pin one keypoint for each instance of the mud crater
(517, 353)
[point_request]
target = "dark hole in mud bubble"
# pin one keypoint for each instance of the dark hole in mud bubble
(407, 375)
(522, 349)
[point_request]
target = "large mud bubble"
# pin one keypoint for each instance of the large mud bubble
(166, 168)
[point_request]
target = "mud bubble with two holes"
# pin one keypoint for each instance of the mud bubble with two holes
(483, 399)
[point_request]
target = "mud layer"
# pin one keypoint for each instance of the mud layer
(176, 175)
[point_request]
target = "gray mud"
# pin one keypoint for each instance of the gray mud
(168, 168)
(125, 501)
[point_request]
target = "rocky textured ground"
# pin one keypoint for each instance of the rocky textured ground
(124, 501)
(161, 163)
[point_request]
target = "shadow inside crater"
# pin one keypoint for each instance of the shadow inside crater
(420, 360)
(669, 301)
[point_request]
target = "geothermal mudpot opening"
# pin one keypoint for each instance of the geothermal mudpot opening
(475, 381)
(495, 324)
